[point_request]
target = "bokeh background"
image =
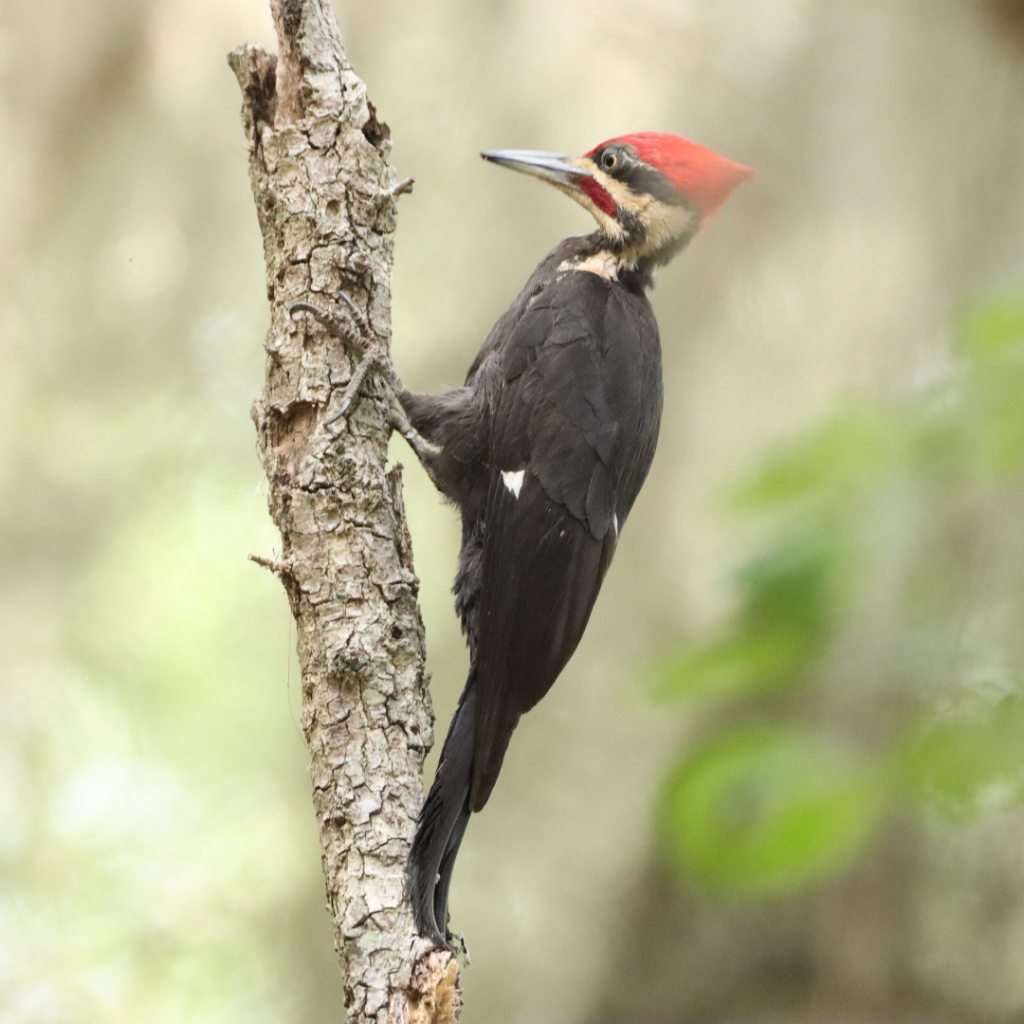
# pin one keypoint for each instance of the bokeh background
(782, 777)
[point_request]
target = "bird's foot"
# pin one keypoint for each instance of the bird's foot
(335, 327)
(422, 450)
(371, 358)
(359, 335)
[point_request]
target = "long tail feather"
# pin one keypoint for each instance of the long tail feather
(441, 825)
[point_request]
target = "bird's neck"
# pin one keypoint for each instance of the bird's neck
(624, 259)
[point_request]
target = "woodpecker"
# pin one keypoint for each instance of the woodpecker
(544, 450)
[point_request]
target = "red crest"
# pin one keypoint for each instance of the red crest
(698, 172)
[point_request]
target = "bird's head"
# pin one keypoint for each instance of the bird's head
(649, 192)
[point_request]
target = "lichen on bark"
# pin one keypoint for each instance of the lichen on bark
(325, 197)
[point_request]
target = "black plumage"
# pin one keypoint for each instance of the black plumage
(567, 390)
(544, 450)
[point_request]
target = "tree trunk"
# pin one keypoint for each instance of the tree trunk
(326, 203)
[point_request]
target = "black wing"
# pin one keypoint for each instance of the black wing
(574, 428)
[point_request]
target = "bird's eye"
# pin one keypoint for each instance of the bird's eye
(609, 160)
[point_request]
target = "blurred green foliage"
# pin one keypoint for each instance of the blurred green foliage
(872, 664)
(155, 763)
(759, 809)
(789, 604)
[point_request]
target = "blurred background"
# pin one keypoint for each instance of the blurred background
(782, 778)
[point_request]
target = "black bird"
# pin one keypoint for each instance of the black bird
(544, 450)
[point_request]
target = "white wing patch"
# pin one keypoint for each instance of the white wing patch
(615, 523)
(514, 481)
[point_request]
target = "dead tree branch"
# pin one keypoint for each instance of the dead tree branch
(326, 197)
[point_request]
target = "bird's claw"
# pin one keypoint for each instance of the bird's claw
(333, 325)
(362, 339)
(372, 356)
(426, 455)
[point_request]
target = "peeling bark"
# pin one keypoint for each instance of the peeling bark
(326, 196)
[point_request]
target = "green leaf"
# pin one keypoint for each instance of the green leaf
(844, 457)
(764, 810)
(788, 605)
(973, 763)
(993, 331)
(992, 341)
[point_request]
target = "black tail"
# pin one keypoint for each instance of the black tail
(442, 824)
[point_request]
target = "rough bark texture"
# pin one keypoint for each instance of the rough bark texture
(321, 183)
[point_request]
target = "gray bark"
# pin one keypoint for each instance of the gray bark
(325, 198)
